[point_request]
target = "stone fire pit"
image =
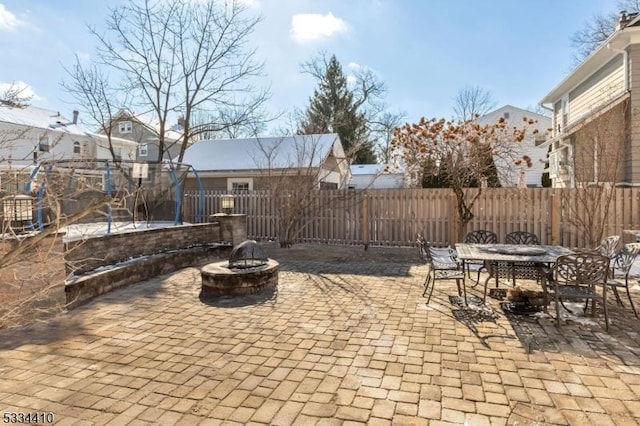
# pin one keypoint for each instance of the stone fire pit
(248, 271)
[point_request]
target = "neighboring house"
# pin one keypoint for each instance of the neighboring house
(596, 106)
(144, 130)
(30, 135)
(256, 163)
(375, 176)
(510, 173)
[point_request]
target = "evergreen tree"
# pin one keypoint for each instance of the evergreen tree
(333, 109)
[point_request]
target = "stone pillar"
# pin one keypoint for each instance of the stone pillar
(233, 227)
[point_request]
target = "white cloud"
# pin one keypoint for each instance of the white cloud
(82, 56)
(8, 21)
(354, 66)
(253, 4)
(23, 89)
(351, 80)
(307, 27)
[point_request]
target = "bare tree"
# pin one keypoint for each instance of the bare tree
(182, 57)
(598, 28)
(229, 124)
(472, 102)
(296, 171)
(596, 162)
(15, 96)
(91, 88)
(382, 128)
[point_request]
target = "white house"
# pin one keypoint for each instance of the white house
(375, 176)
(252, 164)
(513, 171)
(30, 135)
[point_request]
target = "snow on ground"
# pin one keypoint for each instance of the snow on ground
(88, 230)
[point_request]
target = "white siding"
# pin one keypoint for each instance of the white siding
(508, 172)
(601, 87)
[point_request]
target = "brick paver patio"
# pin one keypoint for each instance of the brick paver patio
(340, 343)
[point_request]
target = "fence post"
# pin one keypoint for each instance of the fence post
(364, 223)
(555, 219)
(453, 220)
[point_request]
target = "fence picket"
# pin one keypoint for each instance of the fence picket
(394, 216)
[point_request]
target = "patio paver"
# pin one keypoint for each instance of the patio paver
(349, 343)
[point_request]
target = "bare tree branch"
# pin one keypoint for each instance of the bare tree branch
(472, 102)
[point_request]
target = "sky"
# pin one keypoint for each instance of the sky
(425, 51)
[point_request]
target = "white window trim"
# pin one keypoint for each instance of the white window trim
(231, 181)
(143, 150)
(77, 144)
(125, 126)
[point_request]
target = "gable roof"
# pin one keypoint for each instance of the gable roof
(510, 108)
(173, 132)
(263, 153)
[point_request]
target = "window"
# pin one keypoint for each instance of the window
(43, 145)
(565, 112)
(77, 149)
(143, 149)
(505, 115)
(237, 185)
(117, 152)
(125, 127)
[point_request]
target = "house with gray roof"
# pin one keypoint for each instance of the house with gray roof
(255, 163)
(144, 129)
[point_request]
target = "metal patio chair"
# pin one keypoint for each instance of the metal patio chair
(621, 263)
(521, 237)
(608, 246)
(443, 265)
(480, 236)
(580, 276)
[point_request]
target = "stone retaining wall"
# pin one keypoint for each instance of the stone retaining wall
(81, 289)
(83, 256)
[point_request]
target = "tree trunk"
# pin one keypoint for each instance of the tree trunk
(464, 214)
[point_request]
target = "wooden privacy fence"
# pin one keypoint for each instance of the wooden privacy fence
(394, 216)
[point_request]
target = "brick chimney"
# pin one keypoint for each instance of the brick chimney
(625, 19)
(75, 116)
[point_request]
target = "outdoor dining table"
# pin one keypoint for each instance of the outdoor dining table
(522, 261)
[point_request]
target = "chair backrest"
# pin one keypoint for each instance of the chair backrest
(481, 237)
(623, 259)
(608, 246)
(443, 252)
(586, 268)
(521, 237)
(442, 258)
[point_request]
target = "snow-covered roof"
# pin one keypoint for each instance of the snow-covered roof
(263, 153)
(32, 116)
(373, 169)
